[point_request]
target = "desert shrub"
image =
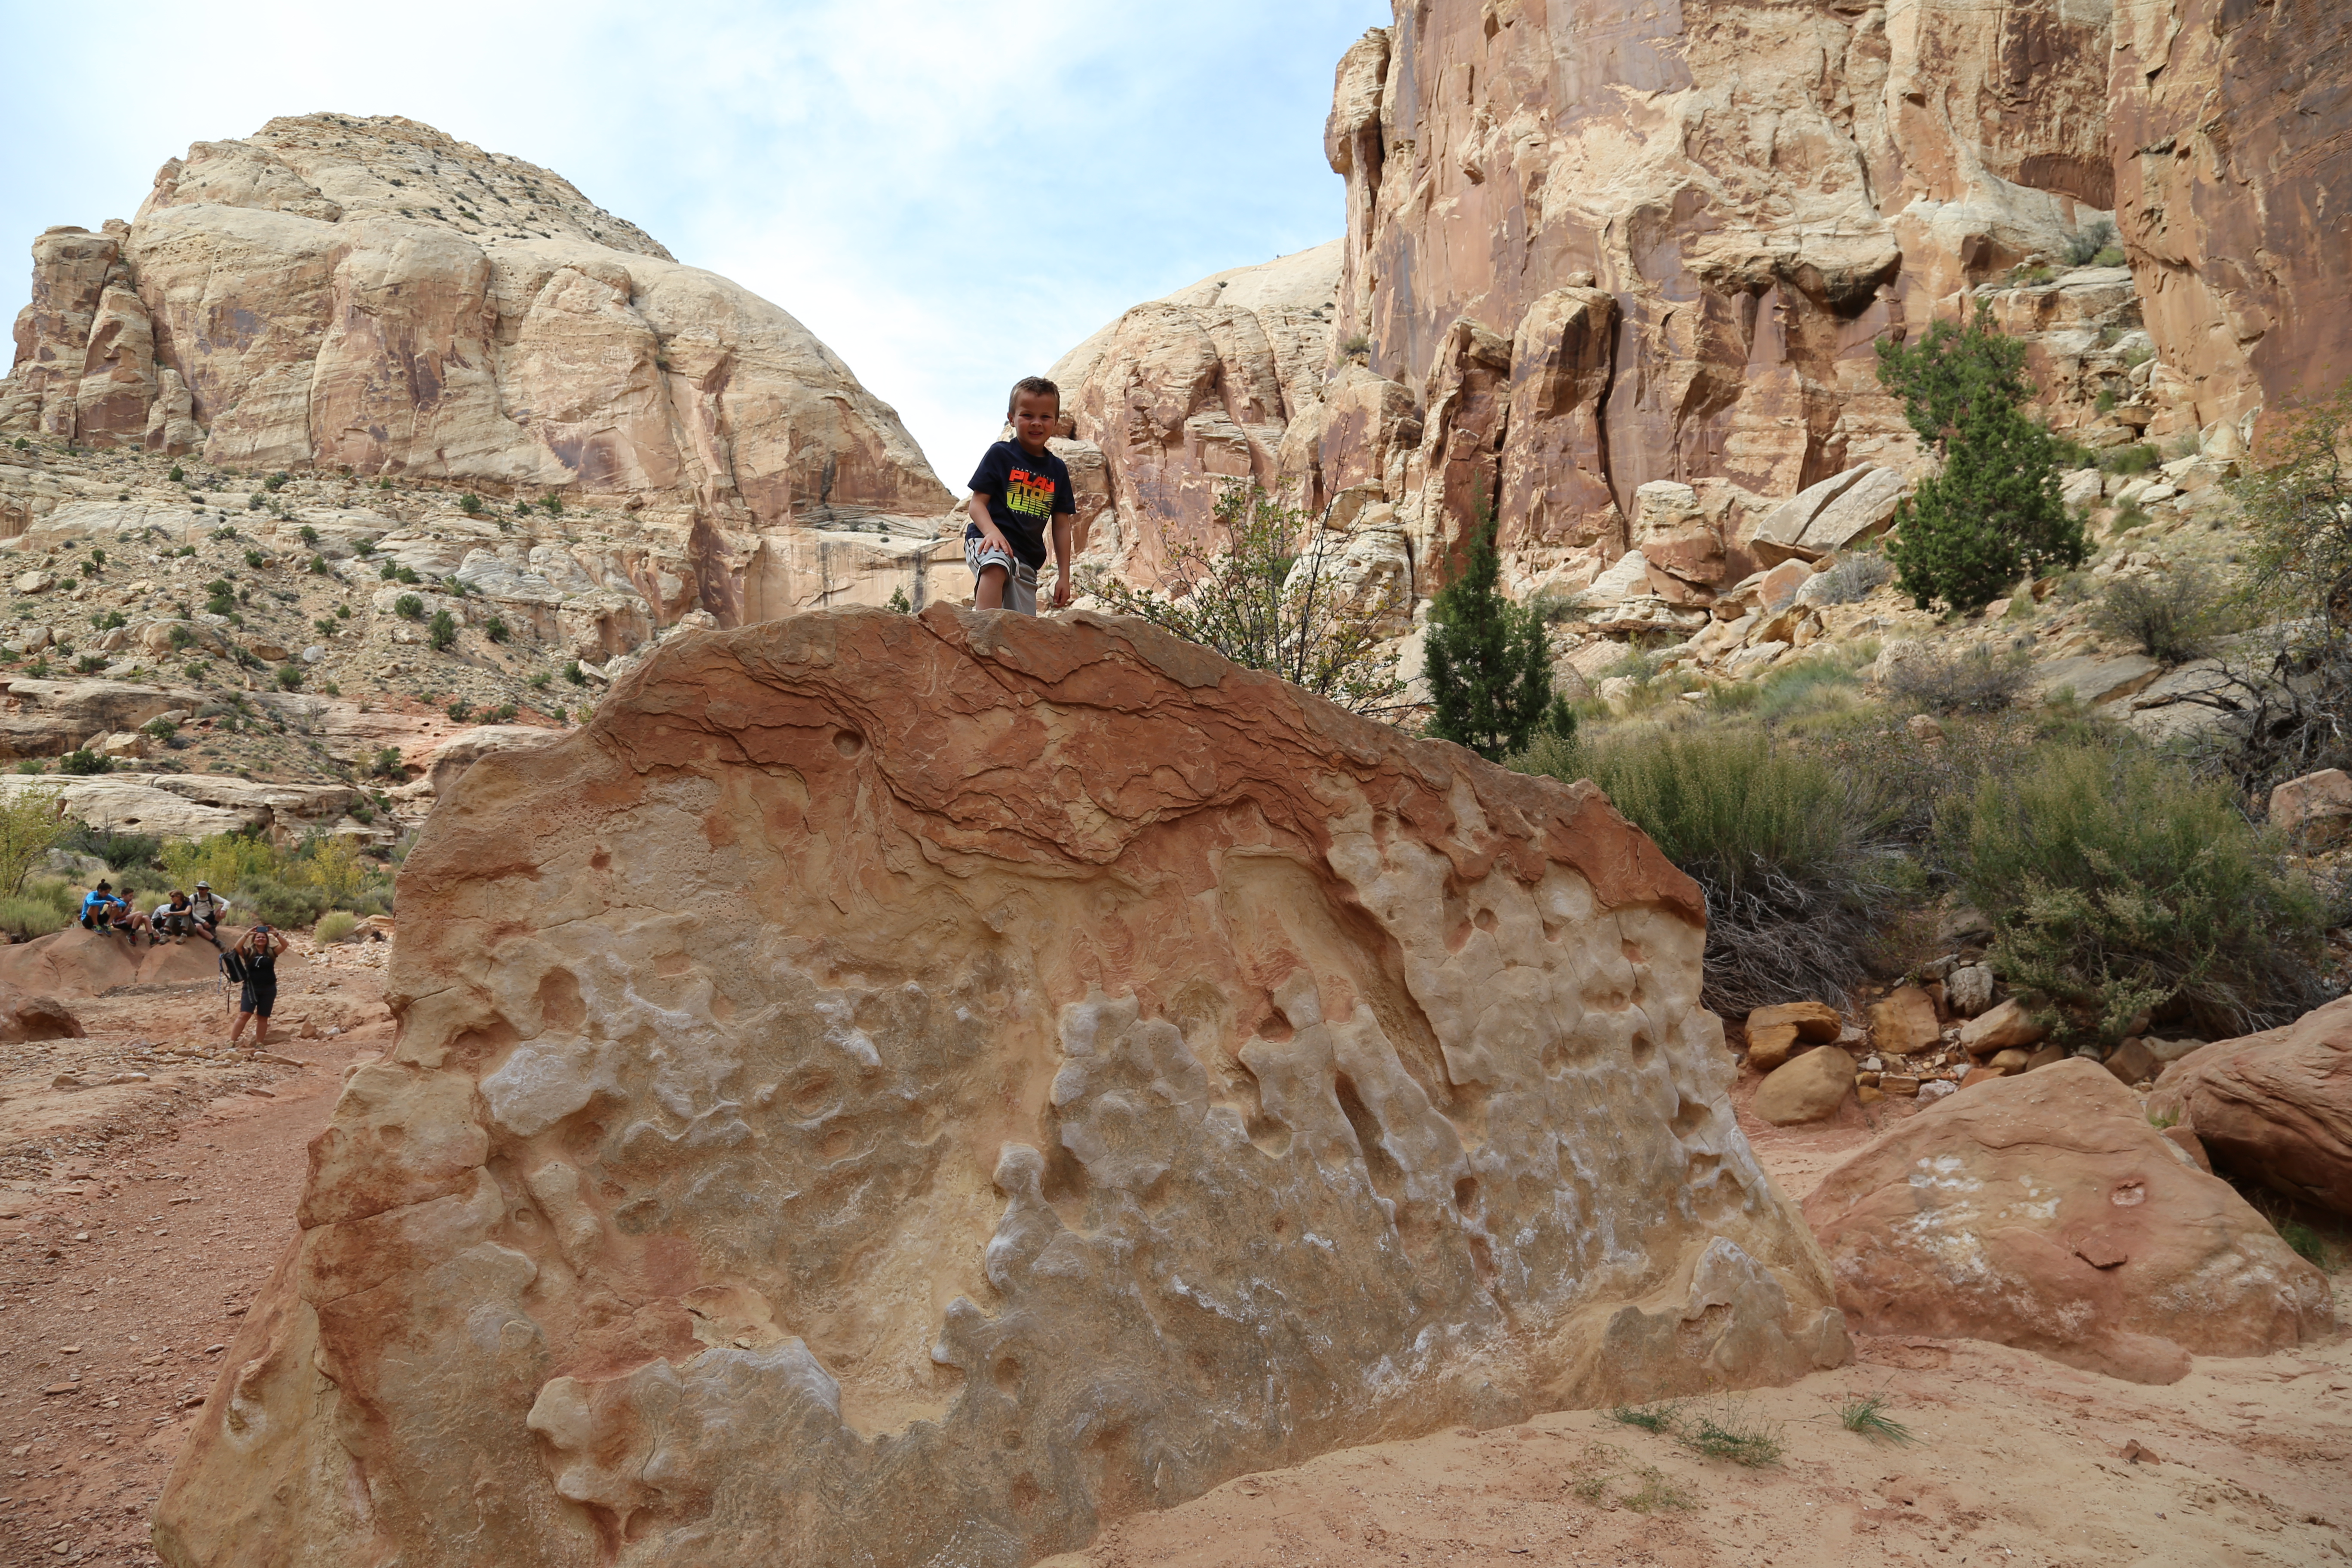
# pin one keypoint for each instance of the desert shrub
(1487, 661)
(2137, 458)
(289, 677)
(470, 503)
(29, 918)
(121, 851)
(89, 663)
(334, 926)
(1978, 680)
(2111, 256)
(460, 711)
(574, 674)
(1796, 858)
(274, 481)
(496, 629)
(2174, 615)
(2120, 884)
(442, 631)
(364, 547)
(1854, 577)
(2085, 247)
(84, 763)
(276, 902)
(1266, 600)
(386, 764)
(408, 607)
(1869, 1419)
(405, 574)
(32, 821)
(539, 680)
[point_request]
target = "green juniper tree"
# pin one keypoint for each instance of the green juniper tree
(1994, 513)
(1487, 661)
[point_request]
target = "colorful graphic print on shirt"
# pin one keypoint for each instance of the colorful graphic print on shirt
(1030, 493)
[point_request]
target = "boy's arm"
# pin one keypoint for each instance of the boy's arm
(1062, 524)
(989, 532)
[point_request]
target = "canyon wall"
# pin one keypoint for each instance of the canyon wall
(2233, 174)
(1599, 245)
(374, 297)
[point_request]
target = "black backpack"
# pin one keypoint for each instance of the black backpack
(232, 963)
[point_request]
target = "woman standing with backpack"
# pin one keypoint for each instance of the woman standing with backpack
(253, 963)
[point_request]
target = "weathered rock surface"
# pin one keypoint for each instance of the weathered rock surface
(2232, 130)
(913, 1088)
(2314, 810)
(75, 963)
(26, 1017)
(2045, 1212)
(339, 289)
(1219, 381)
(2276, 1107)
(1760, 193)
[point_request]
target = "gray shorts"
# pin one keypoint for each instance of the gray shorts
(1020, 581)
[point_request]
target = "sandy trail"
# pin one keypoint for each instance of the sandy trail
(185, 1187)
(140, 1220)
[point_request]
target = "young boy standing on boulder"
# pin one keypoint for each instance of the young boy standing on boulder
(1018, 490)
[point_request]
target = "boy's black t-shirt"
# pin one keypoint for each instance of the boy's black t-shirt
(1023, 494)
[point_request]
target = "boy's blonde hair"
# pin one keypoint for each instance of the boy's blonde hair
(1035, 386)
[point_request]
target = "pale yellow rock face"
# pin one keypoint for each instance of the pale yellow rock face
(370, 294)
(1218, 382)
(909, 1089)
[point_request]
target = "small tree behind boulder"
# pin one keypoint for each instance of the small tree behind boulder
(1994, 513)
(1488, 661)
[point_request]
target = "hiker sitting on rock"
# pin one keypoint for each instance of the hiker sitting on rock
(98, 907)
(209, 908)
(256, 970)
(125, 920)
(175, 917)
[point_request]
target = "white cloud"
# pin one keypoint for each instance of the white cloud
(950, 193)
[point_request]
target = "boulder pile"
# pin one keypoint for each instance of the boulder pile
(911, 1089)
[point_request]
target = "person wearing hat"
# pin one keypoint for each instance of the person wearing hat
(207, 907)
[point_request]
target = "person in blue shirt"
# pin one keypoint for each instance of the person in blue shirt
(98, 906)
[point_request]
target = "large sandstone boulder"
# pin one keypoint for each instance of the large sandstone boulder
(909, 1089)
(2045, 1212)
(2276, 1108)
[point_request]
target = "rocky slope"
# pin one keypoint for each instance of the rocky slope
(342, 295)
(1126, 1120)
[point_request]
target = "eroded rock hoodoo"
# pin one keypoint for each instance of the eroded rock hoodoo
(908, 1090)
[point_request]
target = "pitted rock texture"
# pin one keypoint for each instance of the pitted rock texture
(2045, 1212)
(906, 1089)
(341, 290)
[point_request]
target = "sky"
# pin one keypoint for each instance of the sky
(950, 193)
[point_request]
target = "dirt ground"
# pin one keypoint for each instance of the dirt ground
(137, 1219)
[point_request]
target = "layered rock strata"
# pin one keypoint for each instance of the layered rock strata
(369, 295)
(910, 1089)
